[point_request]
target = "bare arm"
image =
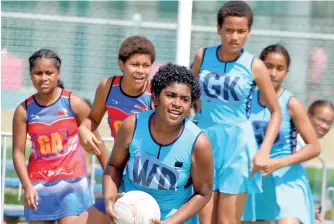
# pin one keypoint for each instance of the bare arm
(306, 130)
(118, 158)
(19, 145)
(202, 181)
(98, 108)
(81, 111)
(196, 70)
(262, 79)
(87, 139)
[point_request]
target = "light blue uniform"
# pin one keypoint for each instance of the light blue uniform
(286, 192)
(163, 171)
(227, 89)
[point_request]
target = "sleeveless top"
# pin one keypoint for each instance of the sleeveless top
(120, 105)
(285, 143)
(163, 171)
(226, 88)
(56, 151)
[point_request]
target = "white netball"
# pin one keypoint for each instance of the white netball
(136, 207)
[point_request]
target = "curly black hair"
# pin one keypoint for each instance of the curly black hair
(136, 45)
(172, 73)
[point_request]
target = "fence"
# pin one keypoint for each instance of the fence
(87, 35)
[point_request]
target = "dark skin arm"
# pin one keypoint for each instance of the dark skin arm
(81, 110)
(118, 158)
(93, 120)
(19, 145)
(202, 181)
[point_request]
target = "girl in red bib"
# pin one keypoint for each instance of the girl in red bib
(55, 181)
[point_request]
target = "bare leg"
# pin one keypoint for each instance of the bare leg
(67, 220)
(208, 215)
(231, 207)
(91, 216)
(288, 221)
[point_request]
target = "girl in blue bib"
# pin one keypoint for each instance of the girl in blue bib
(228, 75)
(162, 153)
(286, 196)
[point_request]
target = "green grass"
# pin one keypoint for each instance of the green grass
(9, 152)
(314, 176)
(12, 198)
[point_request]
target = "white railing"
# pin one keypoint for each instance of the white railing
(136, 22)
(323, 186)
(92, 177)
(328, 191)
(93, 168)
(4, 137)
